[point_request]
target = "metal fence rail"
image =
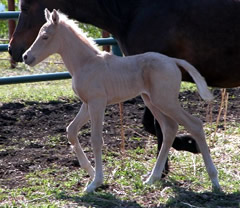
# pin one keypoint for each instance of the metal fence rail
(3, 47)
(34, 78)
(9, 15)
(48, 76)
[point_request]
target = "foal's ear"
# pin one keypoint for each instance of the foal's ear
(47, 14)
(55, 17)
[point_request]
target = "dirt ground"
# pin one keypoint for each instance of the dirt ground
(28, 131)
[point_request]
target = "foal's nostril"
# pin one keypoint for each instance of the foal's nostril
(25, 57)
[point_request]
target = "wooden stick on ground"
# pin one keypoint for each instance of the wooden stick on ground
(219, 113)
(225, 112)
(209, 116)
(122, 148)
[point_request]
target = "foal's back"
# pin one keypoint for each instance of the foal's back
(128, 77)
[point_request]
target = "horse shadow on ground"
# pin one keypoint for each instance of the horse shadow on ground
(183, 198)
(97, 199)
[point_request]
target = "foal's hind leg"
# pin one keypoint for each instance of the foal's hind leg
(169, 130)
(181, 142)
(151, 125)
(195, 127)
(159, 135)
(72, 131)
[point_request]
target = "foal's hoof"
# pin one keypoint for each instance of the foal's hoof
(92, 186)
(217, 189)
(151, 180)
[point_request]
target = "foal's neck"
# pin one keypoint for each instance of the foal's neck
(75, 49)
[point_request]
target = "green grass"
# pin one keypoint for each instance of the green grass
(61, 187)
(39, 92)
(187, 86)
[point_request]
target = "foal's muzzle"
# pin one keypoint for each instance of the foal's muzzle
(29, 60)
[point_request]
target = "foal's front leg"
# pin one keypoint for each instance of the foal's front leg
(96, 110)
(72, 130)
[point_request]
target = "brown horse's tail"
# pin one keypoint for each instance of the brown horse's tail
(198, 79)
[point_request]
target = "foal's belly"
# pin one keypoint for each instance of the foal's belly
(120, 99)
(123, 84)
(122, 95)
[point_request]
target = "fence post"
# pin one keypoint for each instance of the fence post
(11, 27)
(116, 50)
(106, 34)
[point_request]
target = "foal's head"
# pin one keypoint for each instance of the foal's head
(47, 41)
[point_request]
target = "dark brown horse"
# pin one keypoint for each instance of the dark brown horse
(204, 32)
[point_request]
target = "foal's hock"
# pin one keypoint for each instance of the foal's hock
(100, 79)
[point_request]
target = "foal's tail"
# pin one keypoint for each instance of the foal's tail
(198, 79)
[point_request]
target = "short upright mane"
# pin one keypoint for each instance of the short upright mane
(73, 25)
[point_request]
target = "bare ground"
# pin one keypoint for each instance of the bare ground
(28, 131)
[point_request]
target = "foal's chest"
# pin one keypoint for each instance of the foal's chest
(88, 84)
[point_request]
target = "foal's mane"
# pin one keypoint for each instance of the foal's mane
(73, 26)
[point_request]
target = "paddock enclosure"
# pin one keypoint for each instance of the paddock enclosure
(35, 156)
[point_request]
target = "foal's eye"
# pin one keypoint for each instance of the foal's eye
(45, 37)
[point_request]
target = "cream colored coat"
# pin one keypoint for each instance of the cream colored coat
(100, 79)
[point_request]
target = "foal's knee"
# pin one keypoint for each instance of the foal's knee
(169, 132)
(197, 127)
(171, 129)
(71, 134)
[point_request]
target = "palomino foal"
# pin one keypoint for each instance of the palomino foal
(100, 79)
